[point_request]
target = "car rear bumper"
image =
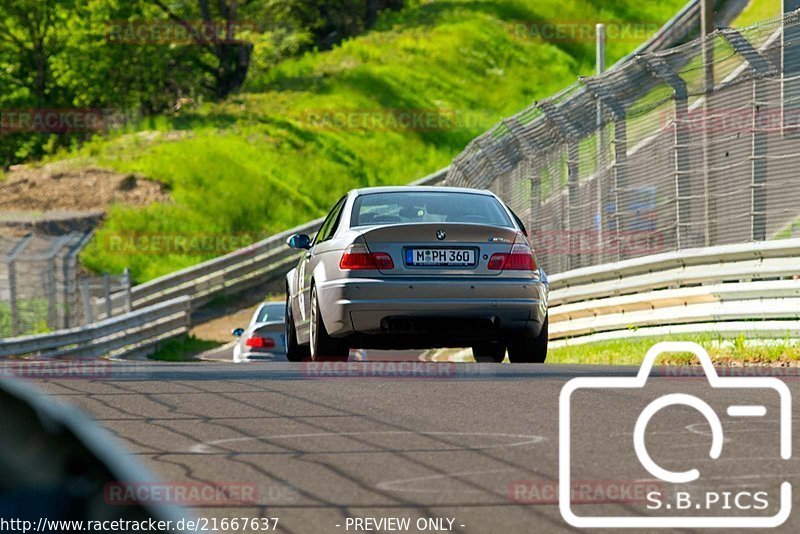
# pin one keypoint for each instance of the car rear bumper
(446, 309)
(277, 355)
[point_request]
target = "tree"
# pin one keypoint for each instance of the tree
(227, 57)
(332, 21)
(29, 39)
(54, 54)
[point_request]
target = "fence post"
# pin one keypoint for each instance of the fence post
(12, 298)
(536, 198)
(683, 185)
(68, 272)
(11, 260)
(762, 67)
(88, 313)
(605, 97)
(127, 283)
(69, 264)
(790, 84)
(107, 294)
(51, 285)
(571, 137)
(706, 29)
(707, 44)
(52, 305)
(602, 142)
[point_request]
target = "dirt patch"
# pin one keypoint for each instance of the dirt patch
(57, 187)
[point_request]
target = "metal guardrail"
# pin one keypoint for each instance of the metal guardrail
(224, 275)
(751, 289)
(133, 333)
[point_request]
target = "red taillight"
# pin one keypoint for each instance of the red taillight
(358, 257)
(260, 342)
(497, 261)
(519, 259)
(383, 260)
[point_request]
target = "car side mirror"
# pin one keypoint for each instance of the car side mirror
(299, 241)
(237, 332)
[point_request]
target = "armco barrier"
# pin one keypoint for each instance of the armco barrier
(224, 275)
(133, 333)
(751, 289)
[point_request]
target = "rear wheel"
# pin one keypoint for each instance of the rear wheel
(294, 351)
(324, 348)
(489, 352)
(526, 349)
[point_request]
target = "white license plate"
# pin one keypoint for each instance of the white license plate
(446, 257)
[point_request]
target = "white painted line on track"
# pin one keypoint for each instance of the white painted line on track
(523, 439)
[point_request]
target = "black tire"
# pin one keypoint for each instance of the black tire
(489, 352)
(324, 348)
(526, 349)
(294, 351)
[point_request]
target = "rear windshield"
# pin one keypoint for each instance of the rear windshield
(427, 207)
(272, 312)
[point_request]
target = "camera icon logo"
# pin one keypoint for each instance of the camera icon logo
(717, 434)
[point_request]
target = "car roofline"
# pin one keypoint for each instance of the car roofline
(419, 188)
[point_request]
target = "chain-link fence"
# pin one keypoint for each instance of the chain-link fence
(42, 288)
(694, 146)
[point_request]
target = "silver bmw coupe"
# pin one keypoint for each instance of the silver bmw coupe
(416, 268)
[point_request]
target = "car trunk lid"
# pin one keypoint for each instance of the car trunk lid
(440, 249)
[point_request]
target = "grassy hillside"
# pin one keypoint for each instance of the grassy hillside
(262, 161)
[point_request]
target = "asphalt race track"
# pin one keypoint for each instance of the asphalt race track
(475, 444)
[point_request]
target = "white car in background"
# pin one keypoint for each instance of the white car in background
(264, 337)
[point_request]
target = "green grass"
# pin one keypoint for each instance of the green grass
(183, 349)
(33, 317)
(791, 230)
(258, 163)
(756, 11)
(632, 351)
